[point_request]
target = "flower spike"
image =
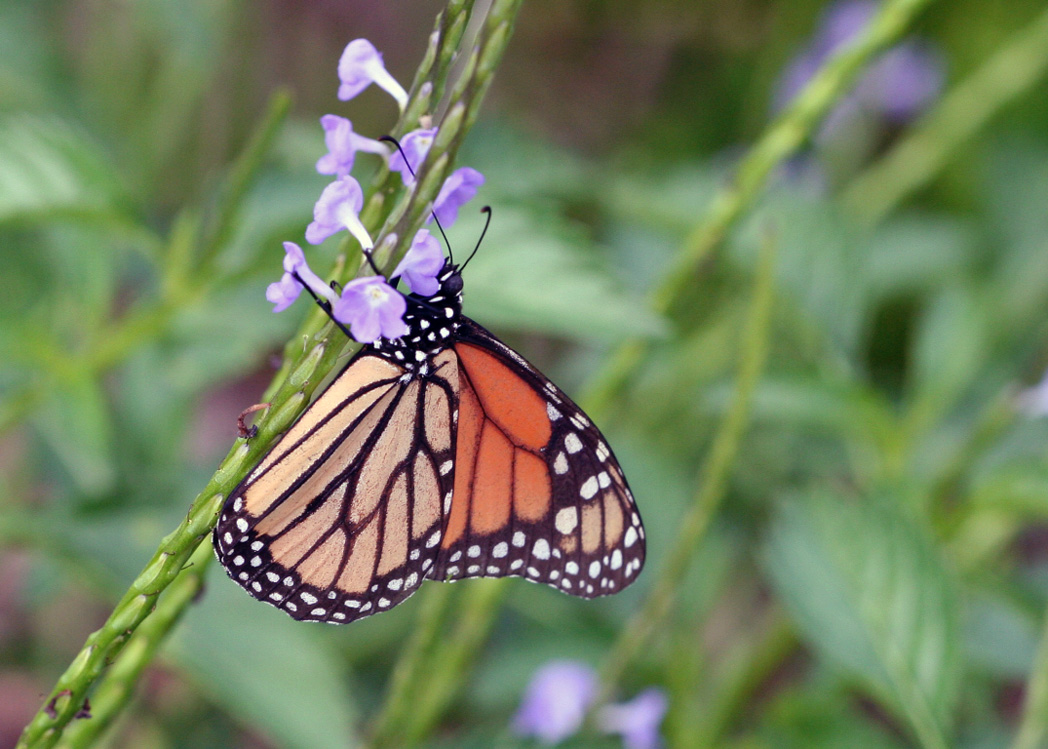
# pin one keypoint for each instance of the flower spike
(360, 66)
(338, 208)
(343, 144)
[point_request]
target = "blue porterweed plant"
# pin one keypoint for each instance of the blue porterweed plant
(823, 399)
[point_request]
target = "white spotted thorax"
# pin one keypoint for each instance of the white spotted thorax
(432, 322)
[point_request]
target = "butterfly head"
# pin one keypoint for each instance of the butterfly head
(432, 321)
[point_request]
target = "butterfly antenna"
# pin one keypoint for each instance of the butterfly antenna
(323, 304)
(487, 210)
(395, 142)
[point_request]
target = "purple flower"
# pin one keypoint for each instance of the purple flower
(360, 66)
(898, 86)
(422, 263)
(637, 721)
(285, 291)
(458, 189)
(372, 309)
(415, 145)
(338, 209)
(556, 701)
(343, 144)
(903, 82)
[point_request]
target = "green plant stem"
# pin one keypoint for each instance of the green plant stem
(310, 365)
(409, 666)
(240, 178)
(712, 482)
(746, 667)
(103, 646)
(1033, 727)
(1011, 71)
(116, 688)
(447, 670)
(783, 137)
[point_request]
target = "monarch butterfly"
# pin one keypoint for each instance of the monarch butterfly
(440, 455)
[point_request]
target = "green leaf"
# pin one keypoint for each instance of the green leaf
(531, 276)
(819, 263)
(950, 347)
(821, 717)
(47, 167)
(1000, 638)
(278, 676)
(871, 595)
(77, 426)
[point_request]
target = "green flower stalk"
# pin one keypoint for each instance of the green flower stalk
(384, 213)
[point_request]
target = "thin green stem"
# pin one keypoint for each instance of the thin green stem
(447, 670)
(243, 174)
(783, 137)
(103, 646)
(712, 482)
(116, 688)
(309, 366)
(409, 667)
(745, 668)
(1010, 72)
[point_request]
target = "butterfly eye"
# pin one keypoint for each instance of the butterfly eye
(454, 283)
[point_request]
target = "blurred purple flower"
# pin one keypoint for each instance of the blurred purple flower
(897, 86)
(637, 721)
(285, 291)
(338, 209)
(560, 693)
(372, 309)
(458, 189)
(904, 81)
(343, 144)
(414, 146)
(422, 264)
(556, 701)
(360, 66)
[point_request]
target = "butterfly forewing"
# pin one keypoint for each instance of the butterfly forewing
(537, 491)
(344, 516)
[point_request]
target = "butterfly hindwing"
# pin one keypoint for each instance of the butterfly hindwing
(344, 516)
(537, 491)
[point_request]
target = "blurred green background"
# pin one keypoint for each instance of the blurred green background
(882, 550)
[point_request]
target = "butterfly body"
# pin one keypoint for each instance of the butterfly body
(440, 455)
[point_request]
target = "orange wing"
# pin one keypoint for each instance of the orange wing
(344, 516)
(537, 491)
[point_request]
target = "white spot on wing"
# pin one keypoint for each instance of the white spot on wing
(566, 520)
(560, 465)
